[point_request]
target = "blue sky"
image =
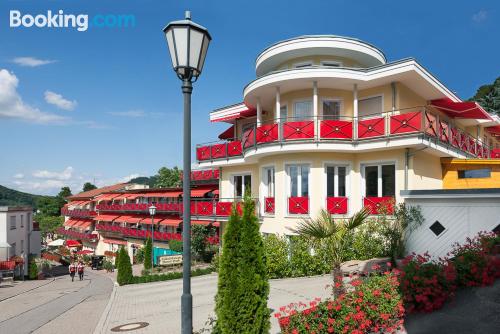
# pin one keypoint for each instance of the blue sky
(104, 104)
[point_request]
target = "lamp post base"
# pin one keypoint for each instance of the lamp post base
(187, 317)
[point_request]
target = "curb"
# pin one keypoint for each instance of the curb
(102, 321)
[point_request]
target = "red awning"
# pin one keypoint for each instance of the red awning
(131, 219)
(106, 197)
(147, 220)
(494, 130)
(216, 192)
(170, 222)
(175, 193)
(228, 134)
(232, 112)
(84, 224)
(114, 241)
(205, 222)
(106, 218)
(200, 192)
(73, 243)
(471, 110)
(70, 222)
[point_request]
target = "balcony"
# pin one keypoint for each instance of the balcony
(137, 233)
(379, 205)
(78, 213)
(77, 235)
(418, 123)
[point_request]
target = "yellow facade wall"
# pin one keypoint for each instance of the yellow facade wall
(451, 168)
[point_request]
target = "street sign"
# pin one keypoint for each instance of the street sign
(168, 260)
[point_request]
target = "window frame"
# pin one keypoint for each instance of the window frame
(331, 99)
(373, 115)
(242, 174)
(379, 165)
(302, 64)
(288, 192)
(12, 226)
(325, 62)
(295, 118)
(264, 188)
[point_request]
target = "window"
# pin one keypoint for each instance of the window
(336, 181)
(299, 180)
(283, 113)
(371, 106)
(22, 246)
(331, 63)
(13, 222)
(303, 110)
(268, 180)
(380, 180)
(22, 222)
(13, 249)
(437, 228)
(474, 173)
(331, 109)
(303, 64)
(241, 184)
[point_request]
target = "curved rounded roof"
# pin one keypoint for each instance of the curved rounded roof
(325, 45)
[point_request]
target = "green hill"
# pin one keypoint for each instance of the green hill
(13, 197)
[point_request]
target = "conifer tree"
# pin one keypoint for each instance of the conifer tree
(148, 249)
(124, 268)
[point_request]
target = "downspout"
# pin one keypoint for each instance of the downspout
(393, 88)
(407, 162)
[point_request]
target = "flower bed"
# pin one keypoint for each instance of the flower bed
(374, 305)
(168, 276)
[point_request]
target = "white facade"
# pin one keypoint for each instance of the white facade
(16, 229)
(455, 214)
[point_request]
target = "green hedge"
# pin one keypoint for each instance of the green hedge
(168, 276)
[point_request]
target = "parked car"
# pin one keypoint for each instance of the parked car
(97, 262)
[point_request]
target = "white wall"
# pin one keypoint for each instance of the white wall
(462, 218)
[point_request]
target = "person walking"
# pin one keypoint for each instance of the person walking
(80, 270)
(72, 271)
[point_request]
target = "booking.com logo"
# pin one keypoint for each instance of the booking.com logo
(61, 20)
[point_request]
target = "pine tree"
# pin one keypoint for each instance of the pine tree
(226, 307)
(243, 284)
(124, 268)
(148, 249)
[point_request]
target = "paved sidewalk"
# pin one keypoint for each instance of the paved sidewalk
(159, 303)
(472, 311)
(8, 291)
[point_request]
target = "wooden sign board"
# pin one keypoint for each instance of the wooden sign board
(169, 260)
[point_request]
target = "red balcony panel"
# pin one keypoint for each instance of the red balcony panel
(298, 205)
(480, 153)
(471, 144)
(406, 123)
(298, 130)
(216, 171)
(456, 137)
(206, 174)
(430, 125)
(337, 205)
(248, 138)
(332, 129)
(378, 205)
(234, 148)
(269, 205)
(218, 151)
(267, 133)
(196, 175)
(495, 153)
(203, 153)
(223, 208)
(444, 135)
(373, 127)
(202, 208)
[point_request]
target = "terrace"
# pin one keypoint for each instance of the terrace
(401, 128)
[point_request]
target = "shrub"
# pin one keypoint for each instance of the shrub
(108, 266)
(374, 305)
(33, 268)
(175, 245)
(148, 249)
(167, 276)
(124, 267)
(276, 250)
(368, 242)
(473, 262)
(302, 260)
(426, 285)
(139, 255)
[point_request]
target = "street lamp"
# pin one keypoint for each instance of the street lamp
(188, 44)
(152, 212)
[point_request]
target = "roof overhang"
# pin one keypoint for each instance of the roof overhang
(322, 45)
(231, 113)
(407, 71)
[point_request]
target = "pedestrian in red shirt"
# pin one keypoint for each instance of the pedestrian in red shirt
(80, 268)
(72, 271)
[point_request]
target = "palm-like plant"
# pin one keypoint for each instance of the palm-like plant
(335, 234)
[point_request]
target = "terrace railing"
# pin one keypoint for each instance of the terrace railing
(347, 129)
(137, 233)
(78, 213)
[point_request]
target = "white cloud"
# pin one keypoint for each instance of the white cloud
(13, 106)
(480, 16)
(59, 101)
(40, 186)
(32, 61)
(19, 176)
(130, 113)
(45, 174)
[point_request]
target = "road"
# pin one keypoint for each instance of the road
(158, 304)
(60, 306)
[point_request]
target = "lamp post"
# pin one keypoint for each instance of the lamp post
(188, 44)
(152, 212)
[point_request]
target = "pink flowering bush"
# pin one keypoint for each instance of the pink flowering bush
(374, 305)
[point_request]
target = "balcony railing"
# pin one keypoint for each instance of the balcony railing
(379, 205)
(347, 129)
(205, 175)
(78, 213)
(337, 205)
(137, 233)
(77, 235)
